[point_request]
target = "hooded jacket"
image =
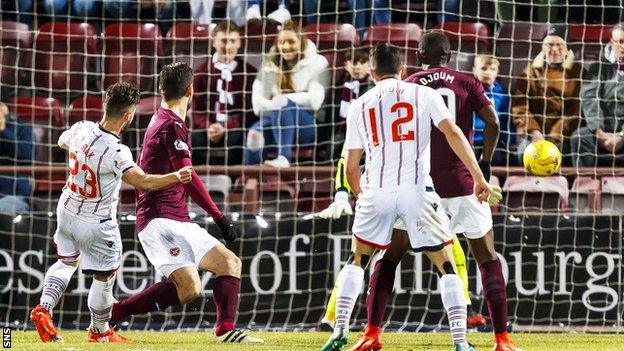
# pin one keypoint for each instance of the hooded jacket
(310, 76)
(603, 95)
(546, 98)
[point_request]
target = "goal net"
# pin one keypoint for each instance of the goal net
(559, 237)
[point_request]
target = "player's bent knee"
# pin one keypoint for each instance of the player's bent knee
(189, 293)
(233, 266)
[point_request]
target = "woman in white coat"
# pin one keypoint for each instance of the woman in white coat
(287, 92)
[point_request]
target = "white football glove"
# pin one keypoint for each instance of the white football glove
(340, 206)
(496, 196)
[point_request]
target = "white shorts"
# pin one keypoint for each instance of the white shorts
(468, 216)
(97, 244)
(170, 245)
(378, 210)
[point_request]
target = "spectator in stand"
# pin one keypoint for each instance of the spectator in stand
(143, 9)
(485, 69)
(601, 142)
(17, 147)
(82, 8)
(545, 102)
(287, 92)
(355, 80)
(222, 100)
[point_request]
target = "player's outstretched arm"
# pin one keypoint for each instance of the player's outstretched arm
(490, 138)
(151, 182)
(457, 141)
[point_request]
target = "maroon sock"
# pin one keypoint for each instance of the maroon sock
(380, 289)
(495, 292)
(225, 295)
(156, 297)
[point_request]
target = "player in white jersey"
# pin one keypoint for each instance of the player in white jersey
(391, 124)
(87, 212)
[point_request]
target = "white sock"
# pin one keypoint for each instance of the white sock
(100, 303)
(454, 302)
(54, 284)
(350, 283)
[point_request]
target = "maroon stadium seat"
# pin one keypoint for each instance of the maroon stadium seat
(131, 51)
(85, 108)
(467, 37)
(587, 41)
(14, 40)
(259, 36)
(144, 112)
(585, 195)
(330, 36)
(612, 195)
(45, 115)
(536, 193)
(404, 35)
(187, 42)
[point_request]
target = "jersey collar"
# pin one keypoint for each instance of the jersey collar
(107, 132)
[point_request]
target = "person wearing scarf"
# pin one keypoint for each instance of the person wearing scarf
(601, 142)
(545, 101)
(356, 80)
(222, 102)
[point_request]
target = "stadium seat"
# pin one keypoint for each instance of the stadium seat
(466, 37)
(259, 36)
(85, 108)
(187, 42)
(15, 39)
(130, 52)
(404, 35)
(314, 195)
(276, 194)
(585, 195)
(144, 112)
(65, 59)
(587, 41)
(332, 37)
(612, 195)
(524, 193)
(45, 115)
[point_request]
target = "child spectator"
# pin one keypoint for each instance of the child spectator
(356, 79)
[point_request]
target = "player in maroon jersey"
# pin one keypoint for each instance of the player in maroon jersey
(464, 94)
(175, 246)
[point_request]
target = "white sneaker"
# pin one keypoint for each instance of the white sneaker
(239, 336)
(279, 162)
(253, 13)
(280, 15)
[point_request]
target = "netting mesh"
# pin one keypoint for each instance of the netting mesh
(560, 236)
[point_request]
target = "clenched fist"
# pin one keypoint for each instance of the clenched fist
(185, 174)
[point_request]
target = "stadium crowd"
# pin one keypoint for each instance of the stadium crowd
(288, 106)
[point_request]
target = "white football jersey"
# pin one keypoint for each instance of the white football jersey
(97, 160)
(392, 123)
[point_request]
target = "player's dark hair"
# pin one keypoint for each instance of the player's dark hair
(386, 59)
(435, 48)
(226, 27)
(120, 97)
(175, 80)
(356, 56)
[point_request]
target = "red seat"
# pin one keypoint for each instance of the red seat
(45, 115)
(65, 58)
(259, 36)
(330, 36)
(587, 41)
(188, 42)
(144, 112)
(467, 37)
(405, 35)
(536, 193)
(85, 108)
(131, 51)
(585, 194)
(14, 41)
(612, 195)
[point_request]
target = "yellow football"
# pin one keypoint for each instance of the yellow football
(542, 158)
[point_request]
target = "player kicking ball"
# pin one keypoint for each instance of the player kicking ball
(175, 246)
(87, 212)
(392, 124)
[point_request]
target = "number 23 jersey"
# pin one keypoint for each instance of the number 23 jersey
(464, 95)
(97, 160)
(392, 123)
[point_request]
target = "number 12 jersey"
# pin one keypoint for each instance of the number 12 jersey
(392, 123)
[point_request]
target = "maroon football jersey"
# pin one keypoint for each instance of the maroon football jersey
(464, 95)
(166, 138)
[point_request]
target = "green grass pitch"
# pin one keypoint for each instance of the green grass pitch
(294, 341)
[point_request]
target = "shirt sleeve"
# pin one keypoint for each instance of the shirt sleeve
(69, 135)
(353, 139)
(175, 138)
(478, 97)
(122, 160)
(436, 109)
